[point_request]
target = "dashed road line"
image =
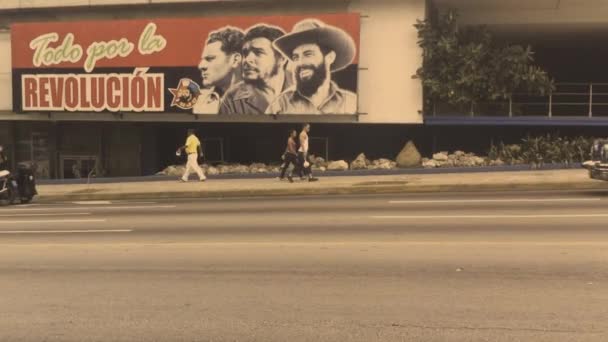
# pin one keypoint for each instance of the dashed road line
(481, 200)
(66, 231)
(51, 221)
(50, 214)
(443, 217)
(92, 202)
(91, 208)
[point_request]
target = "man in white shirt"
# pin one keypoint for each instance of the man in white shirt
(304, 167)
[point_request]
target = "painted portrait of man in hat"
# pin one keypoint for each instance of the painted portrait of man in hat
(263, 71)
(316, 50)
(220, 67)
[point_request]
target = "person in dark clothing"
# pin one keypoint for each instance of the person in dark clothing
(3, 159)
(291, 155)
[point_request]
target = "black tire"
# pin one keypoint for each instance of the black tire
(26, 200)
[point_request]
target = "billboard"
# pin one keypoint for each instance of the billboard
(223, 67)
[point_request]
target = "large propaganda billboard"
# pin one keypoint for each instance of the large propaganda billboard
(226, 67)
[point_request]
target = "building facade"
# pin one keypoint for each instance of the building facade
(68, 139)
(63, 103)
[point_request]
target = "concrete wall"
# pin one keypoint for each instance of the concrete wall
(6, 88)
(536, 12)
(389, 57)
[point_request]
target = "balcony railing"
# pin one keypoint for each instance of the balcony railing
(579, 100)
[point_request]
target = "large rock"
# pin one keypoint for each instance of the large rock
(382, 161)
(212, 171)
(319, 168)
(497, 162)
(339, 165)
(479, 161)
(440, 157)
(258, 168)
(175, 170)
(382, 164)
(320, 162)
(229, 169)
(223, 169)
(409, 156)
(469, 162)
(166, 171)
(430, 164)
(360, 163)
(240, 169)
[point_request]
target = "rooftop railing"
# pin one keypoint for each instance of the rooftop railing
(568, 100)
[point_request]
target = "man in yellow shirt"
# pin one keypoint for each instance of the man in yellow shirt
(193, 150)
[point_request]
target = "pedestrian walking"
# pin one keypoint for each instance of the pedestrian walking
(304, 166)
(193, 150)
(290, 157)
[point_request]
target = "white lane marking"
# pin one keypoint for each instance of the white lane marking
(481, 200)
(52, 221)
(129, 202)
(90, 208)
(30, 215)
(92, 202)
(65, 231)
(312, 244)
(440, 217)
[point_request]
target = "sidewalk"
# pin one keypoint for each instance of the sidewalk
(576, 179)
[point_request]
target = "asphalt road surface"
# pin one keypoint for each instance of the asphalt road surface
(522, 266)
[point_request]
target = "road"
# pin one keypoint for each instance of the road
(517, 266)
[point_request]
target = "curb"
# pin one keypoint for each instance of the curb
(356, 189)
(347, 173)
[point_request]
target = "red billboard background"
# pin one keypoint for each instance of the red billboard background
(185, 37)
(55, 76)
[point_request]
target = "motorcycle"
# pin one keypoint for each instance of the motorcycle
(20, 187)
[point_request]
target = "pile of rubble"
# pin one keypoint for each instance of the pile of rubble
(318, 164)
(456, 159)
(409, 157)
(178, 170)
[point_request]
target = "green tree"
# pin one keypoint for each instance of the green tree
(465, 66)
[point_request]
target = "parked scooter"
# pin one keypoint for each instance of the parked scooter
(20, 187)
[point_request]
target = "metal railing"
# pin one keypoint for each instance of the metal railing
(567, 100)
